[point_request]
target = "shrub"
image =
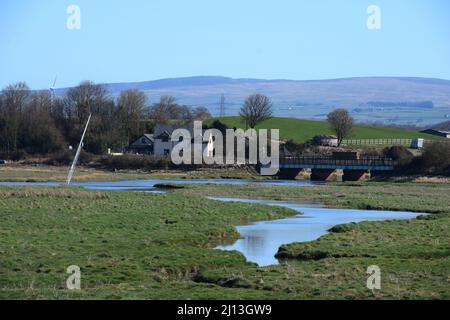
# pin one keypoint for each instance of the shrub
(14, 156)
(436, 157)
(435, 160)
(129, 161)
(65, 158)
(400, 154)
(373, 152)
(295, 148)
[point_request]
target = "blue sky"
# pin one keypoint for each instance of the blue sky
(137, 40)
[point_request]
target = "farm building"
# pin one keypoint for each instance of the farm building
(329, 141)
(440, 133)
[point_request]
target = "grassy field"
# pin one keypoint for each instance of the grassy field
(42, 173)
(301, 130)
(150, 246)
(126, 244)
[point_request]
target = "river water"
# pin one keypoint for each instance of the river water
(148, 185)
(260, 241)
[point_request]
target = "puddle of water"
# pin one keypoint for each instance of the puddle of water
(260, 241)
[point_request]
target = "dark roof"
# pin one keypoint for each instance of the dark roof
(149, 136)
(138, 141)
(163, 129)
(434, 130)
(163, 134)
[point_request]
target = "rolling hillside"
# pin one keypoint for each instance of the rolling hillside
(386, 100)
(301, 130)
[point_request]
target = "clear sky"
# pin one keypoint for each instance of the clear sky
(138, 40)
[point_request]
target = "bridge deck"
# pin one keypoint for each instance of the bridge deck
(376, 164)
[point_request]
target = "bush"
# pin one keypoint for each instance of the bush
(295, 148)
(130, 161)
(435, 160)
(14, 156)
(436, 157)
(399, 153)
(373, 152)
(65, 158)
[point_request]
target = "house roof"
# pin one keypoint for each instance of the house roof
(149, 136)
(437, 131)
(163, 129)
(138, 141)
(163, 134)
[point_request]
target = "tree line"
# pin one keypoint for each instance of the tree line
(37, 122)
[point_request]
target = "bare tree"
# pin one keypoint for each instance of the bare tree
(39, 133)
(186, 113)
(341, 123)
(256, 108)
(88, 98)
(14, 100)
(165, 109)
(201, 113)
(84, 99)
(131, 109)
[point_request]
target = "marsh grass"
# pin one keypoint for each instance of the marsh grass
(60, 192)
(158, 246)
(41, 173)
(118, 240)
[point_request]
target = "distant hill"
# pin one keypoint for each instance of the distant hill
(300, 130)
(400, 100)
(445, 126)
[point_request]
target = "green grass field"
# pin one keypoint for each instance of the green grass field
(41, 173)
(155, 246)
(301, 130)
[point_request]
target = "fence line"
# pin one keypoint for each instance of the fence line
(392, 142)
(326, 160)
(356, 142)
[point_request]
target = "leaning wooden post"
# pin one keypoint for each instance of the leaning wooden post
(77, 154)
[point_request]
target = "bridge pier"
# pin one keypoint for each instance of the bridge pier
(321, 174)
(355, 175)
(341, 166)
(288, 174)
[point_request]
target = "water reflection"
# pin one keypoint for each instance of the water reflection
(260, 241)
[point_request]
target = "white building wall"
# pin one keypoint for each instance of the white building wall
(160, 146)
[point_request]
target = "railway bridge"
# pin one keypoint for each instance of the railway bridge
(322, 167)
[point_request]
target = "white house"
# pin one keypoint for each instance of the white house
(163, 144)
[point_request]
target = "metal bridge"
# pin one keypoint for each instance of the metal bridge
(324, 162)
(322, 167)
